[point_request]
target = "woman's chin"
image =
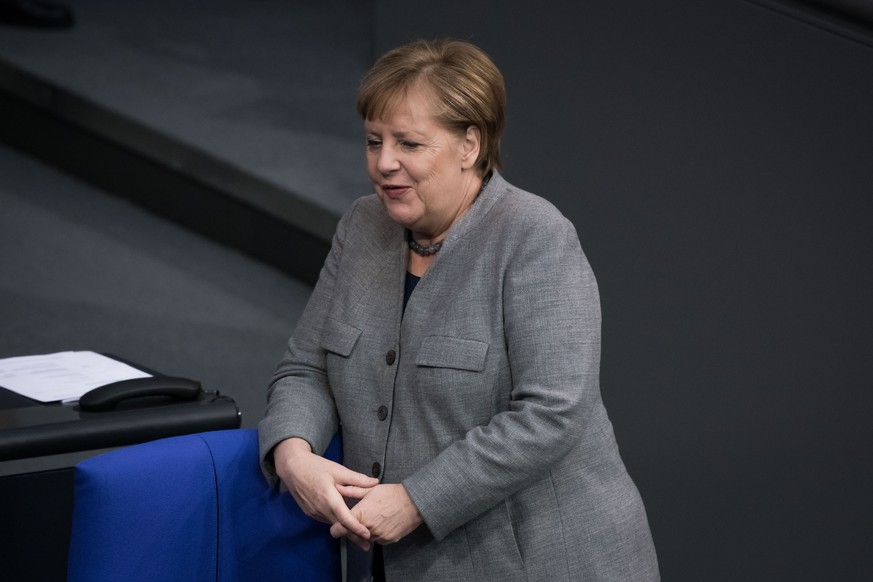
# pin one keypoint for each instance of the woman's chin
(402, 216)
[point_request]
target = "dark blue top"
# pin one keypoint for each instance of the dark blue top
(409, 287)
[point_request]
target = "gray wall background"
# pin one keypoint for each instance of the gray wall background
(717, 159)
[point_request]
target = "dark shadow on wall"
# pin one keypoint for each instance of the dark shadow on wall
(851, 19)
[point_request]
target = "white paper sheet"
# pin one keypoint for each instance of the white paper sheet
(62, 376)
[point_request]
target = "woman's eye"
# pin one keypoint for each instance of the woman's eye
(410, 145)
(373, 144)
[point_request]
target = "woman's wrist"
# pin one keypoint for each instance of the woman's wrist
(288, 449)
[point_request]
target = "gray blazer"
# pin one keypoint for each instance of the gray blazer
(483, 399)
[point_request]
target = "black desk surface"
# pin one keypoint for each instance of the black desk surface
(36, 429)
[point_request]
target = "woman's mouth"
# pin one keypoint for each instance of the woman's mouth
(394, 191)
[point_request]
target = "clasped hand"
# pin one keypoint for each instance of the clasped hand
(384, 513)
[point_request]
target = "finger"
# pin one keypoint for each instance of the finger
(353, 491)
(348, 477)
(338, 530)
(346, 519)
(363, 544)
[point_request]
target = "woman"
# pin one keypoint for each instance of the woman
(454, 333)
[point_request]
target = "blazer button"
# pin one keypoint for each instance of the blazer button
(383, 412)
(377, 469)
(390, 357)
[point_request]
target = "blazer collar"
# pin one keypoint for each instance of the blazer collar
(472, 219)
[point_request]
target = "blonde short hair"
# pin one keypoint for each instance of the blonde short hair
(466, 87)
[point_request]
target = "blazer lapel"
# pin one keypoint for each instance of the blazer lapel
(493, 191)
(380, 267)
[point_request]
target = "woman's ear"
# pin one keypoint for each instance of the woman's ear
(471, 146)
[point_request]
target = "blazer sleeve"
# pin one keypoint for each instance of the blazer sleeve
(552, 334)
(299, 400)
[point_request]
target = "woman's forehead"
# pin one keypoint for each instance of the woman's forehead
(412, 110)
(418, 100)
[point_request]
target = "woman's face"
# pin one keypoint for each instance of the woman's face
(422, 171)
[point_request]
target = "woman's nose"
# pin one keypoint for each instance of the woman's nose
(387, 161)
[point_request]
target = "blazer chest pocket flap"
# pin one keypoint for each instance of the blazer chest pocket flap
(452, 352)
(339, 338)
